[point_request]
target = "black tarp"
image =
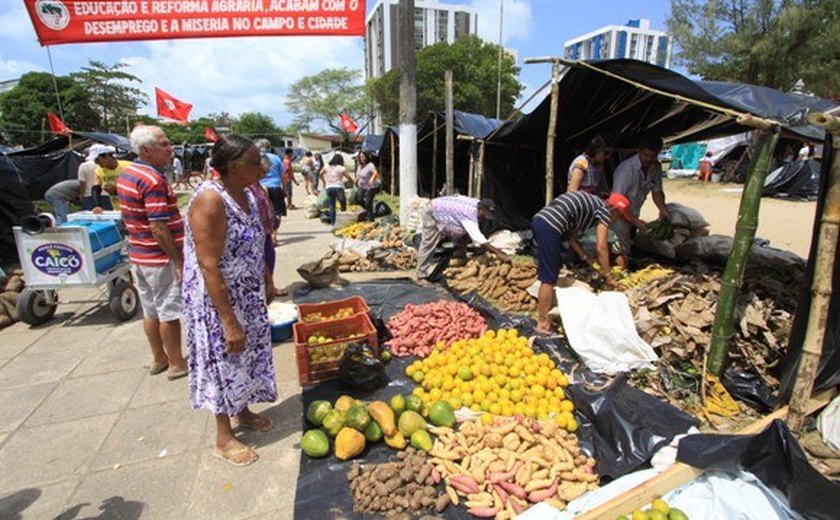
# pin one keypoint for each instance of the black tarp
(372, 143)
(14, 204)
(774, 457)
(828, 374)
(796, 180)
(621, 100)
(621, 425)
(40, 172)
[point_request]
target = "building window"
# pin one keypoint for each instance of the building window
(634, 40)
(419, 28)
(442, 25)
(462, 24)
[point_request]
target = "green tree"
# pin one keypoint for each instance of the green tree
(474, 65)
(111, 93)
(763, 42)
(316, 101)
(25, 107)
(255, 125)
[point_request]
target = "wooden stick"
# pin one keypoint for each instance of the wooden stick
(812, 345)
(434, 156)
(552, 133)
(679, 474)
(450, 134)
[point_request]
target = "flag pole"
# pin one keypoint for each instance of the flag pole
(55, 84)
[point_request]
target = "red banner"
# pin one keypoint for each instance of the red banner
(84, 21)
(171, 107)
(57, 126)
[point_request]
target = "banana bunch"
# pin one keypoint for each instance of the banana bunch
(660, 230)
(717, 400)
(637, 279)
(356, 230)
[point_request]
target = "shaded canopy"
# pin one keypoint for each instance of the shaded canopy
(623, 100)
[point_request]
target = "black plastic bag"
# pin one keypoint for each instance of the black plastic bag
(775, 457)
(380, 209)
(751, 389)
(361, 368)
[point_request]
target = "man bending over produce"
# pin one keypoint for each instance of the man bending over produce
(457, 218)
(564, 219)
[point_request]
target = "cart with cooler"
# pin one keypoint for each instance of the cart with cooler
(88, 251)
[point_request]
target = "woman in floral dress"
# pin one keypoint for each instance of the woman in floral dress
(224, 292)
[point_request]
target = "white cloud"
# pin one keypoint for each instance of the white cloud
(13, 69)
(517, 20)
(239, 75)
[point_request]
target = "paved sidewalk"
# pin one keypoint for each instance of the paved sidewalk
(85, 432)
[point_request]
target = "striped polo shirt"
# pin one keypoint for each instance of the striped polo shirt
(572, 213)
(146, 197)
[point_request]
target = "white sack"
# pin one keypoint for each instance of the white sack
(601, 330)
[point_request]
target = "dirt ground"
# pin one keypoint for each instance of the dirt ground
(786, 224)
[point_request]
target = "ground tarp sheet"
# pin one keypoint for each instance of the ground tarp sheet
(621, 425)
(775, 457)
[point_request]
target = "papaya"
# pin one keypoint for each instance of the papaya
(315, 443)
(349, 443)
(382, 414)
(373, 432)
(396, 441)
(410, 422)
(442, 414)
(397, 403)
(344, 403)
(413, 403)
(421, 440)
(358, 418)
(317, 411)
(334, 422)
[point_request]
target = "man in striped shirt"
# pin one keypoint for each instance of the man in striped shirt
(564, 219)
(155, 239)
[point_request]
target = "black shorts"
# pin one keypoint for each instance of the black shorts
(278, 199)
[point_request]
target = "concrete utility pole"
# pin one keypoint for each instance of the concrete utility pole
(408, 107)
(450, 134)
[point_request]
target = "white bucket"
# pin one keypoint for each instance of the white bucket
(715, 177)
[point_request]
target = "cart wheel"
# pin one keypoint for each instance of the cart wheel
(33, 308)
(124, 301)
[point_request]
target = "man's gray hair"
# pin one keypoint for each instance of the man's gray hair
(141, 136)
(263, 144)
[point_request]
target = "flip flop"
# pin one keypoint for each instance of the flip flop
(254, 428)
(157, 368)
(178, 373)
(228, 455)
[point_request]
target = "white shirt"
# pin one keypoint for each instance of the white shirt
(87, 174)
(177, 168)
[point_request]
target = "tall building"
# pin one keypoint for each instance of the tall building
(434, 22)
(635, 40)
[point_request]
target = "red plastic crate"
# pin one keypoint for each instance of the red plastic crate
(357, 303)
(319, 362)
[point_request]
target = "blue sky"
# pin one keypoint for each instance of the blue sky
(237, 75)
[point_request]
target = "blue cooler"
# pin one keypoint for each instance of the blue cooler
(102, 234)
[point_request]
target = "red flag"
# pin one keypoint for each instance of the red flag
(170, 107)
(210, 134)
(347, 124)
(57, 126)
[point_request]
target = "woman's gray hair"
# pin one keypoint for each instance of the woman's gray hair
(263, 144)
(141, 136)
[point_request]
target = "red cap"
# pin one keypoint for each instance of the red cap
(620, 202)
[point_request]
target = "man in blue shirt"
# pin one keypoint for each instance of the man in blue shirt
(273, 180)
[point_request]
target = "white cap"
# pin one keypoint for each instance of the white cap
(99, 149)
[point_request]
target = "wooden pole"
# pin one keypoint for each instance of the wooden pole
(812, 346)
(434, 155)
(733, 275)
(471, 178)
(552, 132)
(43, 129)
(450, 134)
(408, 107)
(393, 167)
(480, 181)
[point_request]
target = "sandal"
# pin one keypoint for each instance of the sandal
(254, 426)
(157, 368)
(230, 456)
(178, 373)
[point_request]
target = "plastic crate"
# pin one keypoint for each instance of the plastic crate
(357, 303)
(312, 367)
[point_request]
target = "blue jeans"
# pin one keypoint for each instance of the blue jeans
(333, 194)
(60, 206)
